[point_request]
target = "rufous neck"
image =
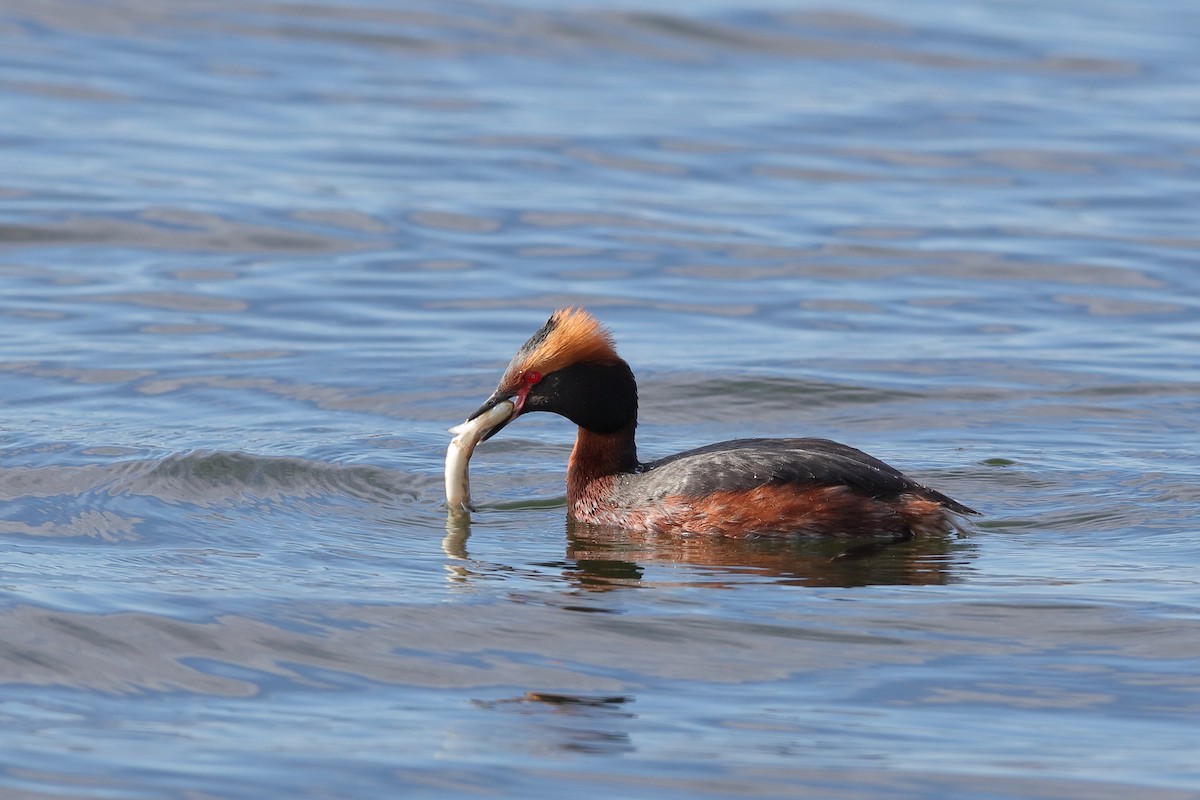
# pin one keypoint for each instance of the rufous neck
(599, 455)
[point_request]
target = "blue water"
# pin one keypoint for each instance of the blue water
(255, 258)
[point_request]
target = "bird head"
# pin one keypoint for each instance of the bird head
(568, 367)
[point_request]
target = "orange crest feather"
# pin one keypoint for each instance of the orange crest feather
(571, 336)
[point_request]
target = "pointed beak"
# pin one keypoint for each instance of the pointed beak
(518, 401)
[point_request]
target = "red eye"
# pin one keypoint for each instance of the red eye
(532, 377)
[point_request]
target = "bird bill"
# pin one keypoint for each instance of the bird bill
(458, 454)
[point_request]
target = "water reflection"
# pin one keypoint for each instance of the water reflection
(606, 557)
(600, 558)
(454, 544)
(580, 724)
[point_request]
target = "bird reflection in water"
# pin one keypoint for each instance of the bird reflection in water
(603, 558)
(607, 558)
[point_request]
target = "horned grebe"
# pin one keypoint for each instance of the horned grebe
(744, 487)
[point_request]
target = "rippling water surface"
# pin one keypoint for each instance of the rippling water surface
(256, 257)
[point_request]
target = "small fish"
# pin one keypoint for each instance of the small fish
(458, 454)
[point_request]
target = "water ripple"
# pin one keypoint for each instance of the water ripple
(229, 478)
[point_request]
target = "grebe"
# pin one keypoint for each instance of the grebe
(744, 487)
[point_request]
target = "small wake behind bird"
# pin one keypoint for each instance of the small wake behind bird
(458, 454)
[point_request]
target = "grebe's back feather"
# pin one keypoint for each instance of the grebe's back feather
(744, 464)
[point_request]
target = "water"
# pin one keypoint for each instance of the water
(255, 258)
